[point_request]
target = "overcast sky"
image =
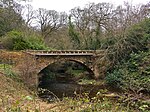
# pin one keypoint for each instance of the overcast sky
(66, 5)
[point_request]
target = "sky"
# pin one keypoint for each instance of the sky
(66, 5)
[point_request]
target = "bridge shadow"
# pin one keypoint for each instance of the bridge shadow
(62, 78)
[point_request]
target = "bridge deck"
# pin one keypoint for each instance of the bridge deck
(63, 52)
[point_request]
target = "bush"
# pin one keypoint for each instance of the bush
(36, 43)
(133, 74)
(15, 40)
(115, 79)
(138, 36)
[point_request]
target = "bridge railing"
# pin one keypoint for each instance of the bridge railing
(64, 52)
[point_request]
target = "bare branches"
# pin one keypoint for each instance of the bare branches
(50, 20)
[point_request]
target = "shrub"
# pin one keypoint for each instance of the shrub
(138, 36)
(115, 79)
(15, 40)
(36, 43)
(133, 74)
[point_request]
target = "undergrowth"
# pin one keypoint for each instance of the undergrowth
(133, 76)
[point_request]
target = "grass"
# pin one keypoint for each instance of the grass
(3, 67)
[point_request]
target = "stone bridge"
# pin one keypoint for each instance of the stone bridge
(42, 59)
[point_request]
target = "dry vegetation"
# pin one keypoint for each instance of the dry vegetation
(14, 96)
(10, 56)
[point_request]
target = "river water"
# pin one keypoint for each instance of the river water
(60, 90)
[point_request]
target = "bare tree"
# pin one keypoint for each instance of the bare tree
(49, 21)
(91, 21)
(127, 15)
(29, 14)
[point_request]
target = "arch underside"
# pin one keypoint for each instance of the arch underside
(80, 60)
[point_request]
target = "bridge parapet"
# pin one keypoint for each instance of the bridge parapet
(64, 52)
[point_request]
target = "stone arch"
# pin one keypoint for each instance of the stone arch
(88, 68)
(71, 60)
(79, 61)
